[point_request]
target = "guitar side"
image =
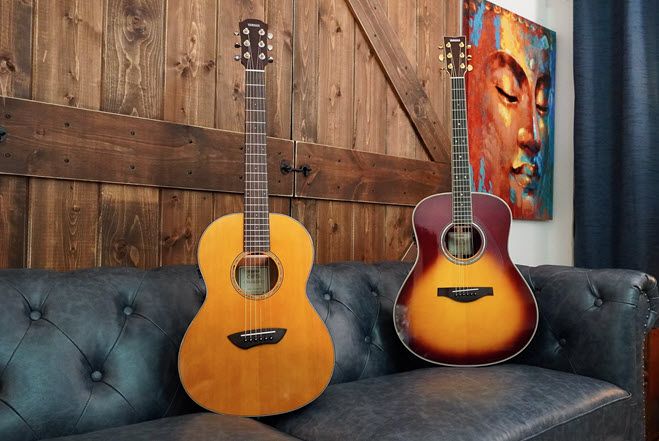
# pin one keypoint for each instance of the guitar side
(464, 331)
(265, 379)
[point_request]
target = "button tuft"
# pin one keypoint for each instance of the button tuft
(367, 339)
(562, 342)
(128, 310)
(97, 376)
(598, 302)
(327, 296)
(35, 315)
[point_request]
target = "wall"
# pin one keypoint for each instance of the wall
(173, 60)
(550, 242)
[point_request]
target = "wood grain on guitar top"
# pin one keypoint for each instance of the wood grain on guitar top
(490, 329)
(266, 379)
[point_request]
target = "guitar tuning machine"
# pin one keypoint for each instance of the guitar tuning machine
(236, 57)
(271, 60)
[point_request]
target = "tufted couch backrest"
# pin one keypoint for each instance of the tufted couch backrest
(96, 348)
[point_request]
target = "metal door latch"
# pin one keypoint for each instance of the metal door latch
(287, 168)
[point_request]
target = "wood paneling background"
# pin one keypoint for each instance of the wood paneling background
(173, 60)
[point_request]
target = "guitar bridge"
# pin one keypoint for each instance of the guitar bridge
(256, 337)
(465, 294)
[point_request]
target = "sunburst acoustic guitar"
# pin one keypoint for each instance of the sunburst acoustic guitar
(464, 303)
(256, 347)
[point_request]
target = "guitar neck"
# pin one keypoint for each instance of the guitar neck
(461, 169)
(256, 220)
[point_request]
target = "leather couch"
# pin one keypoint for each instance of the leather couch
(91, 355)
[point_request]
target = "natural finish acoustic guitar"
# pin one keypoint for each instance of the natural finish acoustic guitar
(464, 303)
(257, 347)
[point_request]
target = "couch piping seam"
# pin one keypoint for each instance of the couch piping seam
(562, 423)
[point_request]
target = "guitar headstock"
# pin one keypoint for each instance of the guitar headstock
(455, 58)
(254, 46)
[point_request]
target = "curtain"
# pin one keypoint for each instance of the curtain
(616, 134)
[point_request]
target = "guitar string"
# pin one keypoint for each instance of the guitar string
(465, 138)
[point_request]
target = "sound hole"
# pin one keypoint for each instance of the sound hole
(256, 274)
(463, 242)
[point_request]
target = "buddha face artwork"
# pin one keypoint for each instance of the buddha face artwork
(510, 99)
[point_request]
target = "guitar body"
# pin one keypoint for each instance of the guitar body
(471, 312)
(256, 355)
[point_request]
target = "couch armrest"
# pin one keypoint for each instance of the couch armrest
(592, 322)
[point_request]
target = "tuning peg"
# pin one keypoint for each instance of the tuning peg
(269, 47)
(236, 45)
(236, 57)
(441, 57)
(270, 36)
(271, 60)
(441, 46)
(236, 33)
(468, 46)
(468, 57)
(470, 68)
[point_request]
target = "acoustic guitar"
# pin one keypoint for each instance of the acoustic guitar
(464, 303)
(257, 346)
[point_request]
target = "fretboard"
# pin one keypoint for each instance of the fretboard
(461, 169)
(257, 221)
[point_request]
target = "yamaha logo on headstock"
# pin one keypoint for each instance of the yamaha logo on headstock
(457, 61)
(253, 44)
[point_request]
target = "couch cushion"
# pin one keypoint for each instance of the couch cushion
(197, 427)
(502, 403)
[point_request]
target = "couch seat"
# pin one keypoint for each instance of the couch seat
(503, 403)
(192, 427)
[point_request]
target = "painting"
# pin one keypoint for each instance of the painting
(510, 99)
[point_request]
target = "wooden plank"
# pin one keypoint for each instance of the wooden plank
(305, 71)
(226, 203)
(280, 205)
(336, 39)
(66, 70)
(63, 224)
(67, 52)
(368, 239)
(305, 211)
(230, 100)
(190, 77)
(133, 80)
(190, 62)
(128, 226)
(350, 175)
(402, 140)
(435, 20)
(15, 48)
(372, 18)
(399, 234)
(334, 231)
(184, 216)
(13, 218)
(15, 80)
(370, 119)
(98, 146)
(133, 56)
(279, 76)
